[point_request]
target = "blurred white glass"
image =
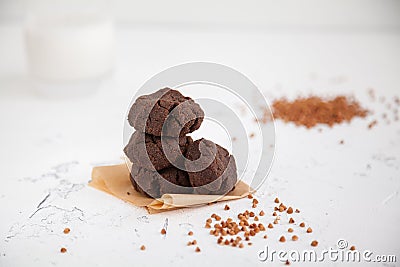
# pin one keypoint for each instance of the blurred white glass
(69, 52)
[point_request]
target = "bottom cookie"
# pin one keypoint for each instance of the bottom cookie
(155, 184)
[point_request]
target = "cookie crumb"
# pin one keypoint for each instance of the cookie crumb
(63, 250)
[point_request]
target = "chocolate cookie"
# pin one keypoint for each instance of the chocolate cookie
(155, 184)
(150, 112)
(146, 150)
(220, 176)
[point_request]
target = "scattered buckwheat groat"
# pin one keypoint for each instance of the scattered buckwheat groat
(63, 250)
(163, 232)
(231, 232)
(142, 247)
(67, 230)
(314, 243)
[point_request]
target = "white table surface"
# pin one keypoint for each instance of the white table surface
(48, 147)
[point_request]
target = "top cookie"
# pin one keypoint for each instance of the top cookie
(150, 112)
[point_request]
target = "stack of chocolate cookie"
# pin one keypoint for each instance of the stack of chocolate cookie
(161, 152)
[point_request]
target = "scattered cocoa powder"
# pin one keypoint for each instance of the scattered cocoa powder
(372, 124)
(313, 110)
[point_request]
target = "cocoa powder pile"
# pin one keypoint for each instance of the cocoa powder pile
(313, 110)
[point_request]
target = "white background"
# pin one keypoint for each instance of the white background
(348, 191)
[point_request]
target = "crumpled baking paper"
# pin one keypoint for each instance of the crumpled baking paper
(114, 179)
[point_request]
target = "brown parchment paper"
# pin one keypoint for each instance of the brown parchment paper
(114, 179)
